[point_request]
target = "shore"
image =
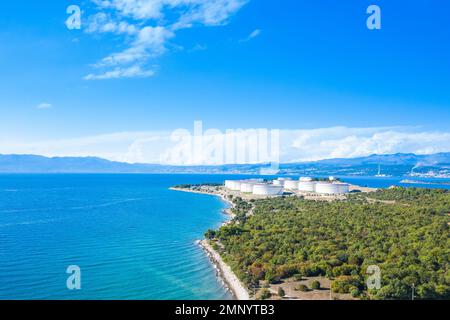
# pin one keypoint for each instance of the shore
(224, 271)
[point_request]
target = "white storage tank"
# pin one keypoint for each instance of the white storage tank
(332, 188)
(327, 188)
(343, 188)
(267, 189)
(234, 185)
(291, 184)
(280, 181)
(247, 187)
(229, 184)
(307, 186)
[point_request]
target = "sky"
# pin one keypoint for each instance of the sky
(137, 70)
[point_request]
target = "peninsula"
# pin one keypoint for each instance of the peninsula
(302, 246)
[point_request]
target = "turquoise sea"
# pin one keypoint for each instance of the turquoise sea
(131, 236)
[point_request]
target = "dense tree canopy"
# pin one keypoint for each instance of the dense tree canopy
(403, 231)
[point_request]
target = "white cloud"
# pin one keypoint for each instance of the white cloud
(103, 23)
(130, 72)
(44, 105)
(252, 35)
(295, 145)
(149, 25)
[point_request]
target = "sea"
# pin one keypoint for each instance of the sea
(128, 235)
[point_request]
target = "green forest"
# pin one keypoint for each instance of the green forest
(403, 231)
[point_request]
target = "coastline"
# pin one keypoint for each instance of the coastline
(224, 271)
(227, 211)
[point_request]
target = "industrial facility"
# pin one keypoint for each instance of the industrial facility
(279, 186)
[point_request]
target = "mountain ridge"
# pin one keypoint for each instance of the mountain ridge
(29, 163)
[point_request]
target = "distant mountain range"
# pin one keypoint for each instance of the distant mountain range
(393, 164)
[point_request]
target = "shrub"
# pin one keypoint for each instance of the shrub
(298, 277)
(315, 285)
(302, 288)
(265, 294)
(281, 292)
(355, 292)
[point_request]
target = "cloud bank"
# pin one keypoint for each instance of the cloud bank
(147, 27)
(294, 145)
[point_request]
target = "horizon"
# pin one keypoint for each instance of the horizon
(227, 164)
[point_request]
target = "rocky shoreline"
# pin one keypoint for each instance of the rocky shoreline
(224, 272)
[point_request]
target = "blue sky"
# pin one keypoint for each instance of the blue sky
(297, 65)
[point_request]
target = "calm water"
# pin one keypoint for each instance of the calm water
(132, 237)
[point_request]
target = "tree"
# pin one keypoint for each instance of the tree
(210, 234)
(404, 231)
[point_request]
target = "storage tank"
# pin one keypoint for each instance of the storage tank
(327, 188)
(307, 186)
(331, 188)
(280, 181)
(343, 188)
(291, 184)
(229, 184)
(267, 189)
(247, 187)
(234, 185)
